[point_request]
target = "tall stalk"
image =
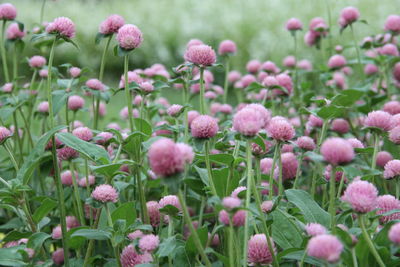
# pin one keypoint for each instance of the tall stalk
(357, 48)
(332, 198)
(271, 174)
(227, 65)
(249, 168)
(60, 191)
(3, 53)
(367, 239)
(208, 165)
(202, 103)
(128, 94)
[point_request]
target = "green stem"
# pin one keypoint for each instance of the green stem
(357, 48)
(397, 181)
(76, 195)
(314, 181)
(369, 241)
(231, 241)
(185, 112)
(226, 80)
(332, 209)
(170, 234)
(323, 133)
(202, 104)
(340, 186)
(14, 162)
(91, 241)
(115, 246)
(354, 257)
(208, 165)
(42, 11)
(376, 150)
(280, 180)
(15, 65)
(249, 168)
(196, 238)
(28, 131)
(296, 180)
(303, 258)
(3, 53)
(271, 174)
(128, 94)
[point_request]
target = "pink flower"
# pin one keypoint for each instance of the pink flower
(4, 134)
(392, 169)
(202, 55)
(238, 218)
(393, 24)
(234, 76)
(37, 62)
(13, 32)
(269, 66)
(230, 203)
(62, 26)
(247, 122)
(165, 157)
(111, 24)
(75, 102)
(382, 158)
(266, 165)
(43, 73)
(337, 61)
(310, 38)
(193, 42)
(75, 72)
(337, 151)
(204, 126)
(83, 133)
(305, 143)
(187, 152)
(280, 129)
(236, 192)
(394, 135)
(58, 256)
(149, 243)
(394, 233)
(105, 193)
(83, 183)
(131, 258)
(135, 235)
(170, 200)
(132, 77)
(7, 12)
(392, 107)
(289, 61)
(387, 203)
(153, 208)
(43, 107)
(72, 222)
(314, 229)
(267, 206)
(340, 126)
(348, 15)
(305, 65)
(396, 71)
(95, 84)
(66, 177)
(147, 87)
(174, 110)
(355, 143)
(379, 119)
(67, 153)
(389, 50)
(361, 195)
(289, 166)
(129, 37)
(56, 233)
(370, 69)
(227, 47)
(325, 247)
(294, 24)
(258, 251)
(253, 66)
(7, 88)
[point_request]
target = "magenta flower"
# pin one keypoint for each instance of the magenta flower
(149, 243)
(361, 195)
(227, 47)
(247, 122)
(314, 229)
(62, 26)
(280, 129)
(111, 24)
(75, 102)
(129, 37)
(37, 62)
(165, 157)
(294, 24)
(258, 251)
(105, 193)
(392, 169)
(130, 257)
(7, 12)
(382, 158)
(337, 151)
(325, 247)
(204, 126)
(14, 33)
(393, 24)
(387, 203)
(348, 15)
(202, 55)
(394, 233)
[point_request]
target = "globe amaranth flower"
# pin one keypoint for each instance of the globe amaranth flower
(392, 169)
(62, 26)
(314, 229)
(202, 55)
(258, 251)
(129, 37)
(361, 195)
(204, 126)
(111, 24)
(130, 257)
(227, 47)
(7, 11)
(385, 204)
(165, 157)
(105, 193)
(337, 151)
(325, 247)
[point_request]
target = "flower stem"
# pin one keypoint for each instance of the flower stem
(115, 246)
(296, 180)
(249, 168)
(3, 53)
(14, 162)
(128, 94)
(369, 241)
(376, 150)
(271, 174)
(196, 238)
(231, 241)
(354, 257)
(226, 80)
(356, 47)
(202, 103)
(76, 195)
(208, 165)
(332, 209)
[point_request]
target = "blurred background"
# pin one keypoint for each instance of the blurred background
(257, 27)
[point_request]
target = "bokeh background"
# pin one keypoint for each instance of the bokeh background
(257, 26)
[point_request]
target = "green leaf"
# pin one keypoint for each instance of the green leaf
(298, 255)
(37, 240)
(170, 210)
(95, 234)
(45, 207)
(347, 97)
(16, 235)
(11, 257)
(59, 100)
(90, 150)
(143, 126)
(285, 232)
(122, 52)
(167, 247)
(203, 236)
(312, 212)
(107, 170)
(30, 163)
(125, 212)
(6, 112)
(226, 159)
(329, 112)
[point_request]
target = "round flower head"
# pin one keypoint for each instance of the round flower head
(95, 84)
(83, 133)
(314, 229)
(393, 24)
(153, 208)
(66, 177)
(294, 24)
(129, 37)
(193, 42)
(361, 195)
(204, 126)
(231, 202)
(8, 87)
(14, 32)
(337, 61)
(111, 24)
(43, 107)
(289, 61)
(389, 50)
(165, 157)
(289, 166)
(382, 158)
(234, 76)
(43, 73)
(75, 102)
(370, 69)
(202, 55)
(340, 126)
(174, 110)
(130, 258)
(83, 183)
(392, 107)
(305, 143)
(170, 200)
(62, 26)
(37, 62)
(267, 206)
(56, 233)
(247, 122)
(105, 193)
(236, 192)
(4, 134)
(266, 165)
(394, 135)
(192, 114)
(67, 153)
(263, 113)
(227, 47)
(355, 143)
(258, 252)
(147, 87)
(149, 243)
(187, 152)
(7, 12)
(135, 235)
(379, 119)
(392, 169)
(58, 256)
(349, 15)
(280, 129)
(385, 204)
(72, 222)
(394, 233)
(337, 151)
(325, 247)
(396, 71)
(253, 66)
(75, 72)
